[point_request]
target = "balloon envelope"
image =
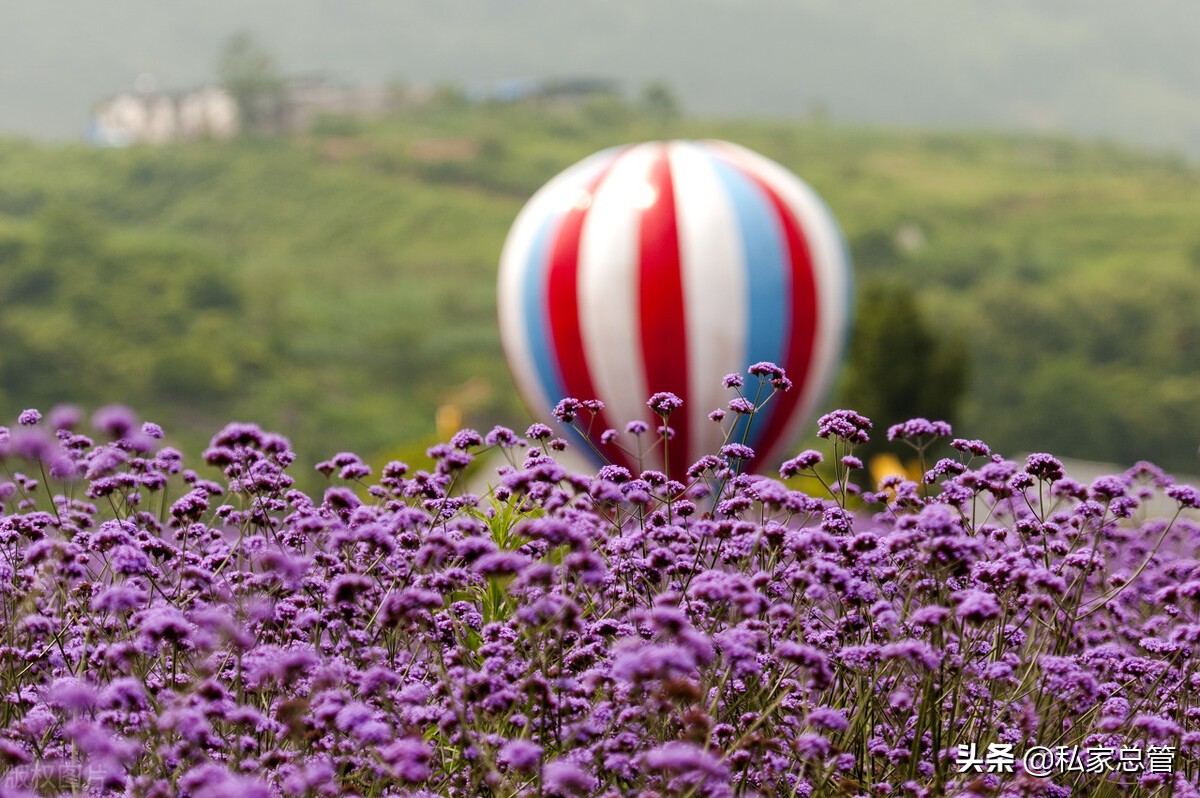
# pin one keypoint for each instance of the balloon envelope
(664, 266)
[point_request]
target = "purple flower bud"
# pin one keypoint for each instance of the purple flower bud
(465, 439)
(741, 405)
(408, 758)
(972, 447)
(566, 410)
(539, 432)
(679, 757)
(976, 606)
(521, 755)
(501, 436)
(565, 778)
(117, 421)
(766, 369)
(1044, 467)
(1186, 495)
(664, 403)
(828, 719)
(844, 425)
(71, 695)
(916, 428)
(65, 417)
(737, 451)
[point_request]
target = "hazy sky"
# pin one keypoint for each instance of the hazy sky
(1096, 67)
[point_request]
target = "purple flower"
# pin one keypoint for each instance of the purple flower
(65, 417)
(353, 714)
(972, 447)
(916, 652)
(566, 410)
(737, 451)
(409, 759)
(500, 563)
(347, 589)
(741, 405)
(117, 421)
(845, 425)
(71, 695)
(1109, 487)
(501, 436)
(119, 598)
(565, 778)
(355, 471)
(521, 755)
(664, 403)
(1044, 467)
(637, 427)
(1186, 495)
(685, 758)
(405, 604)
(29, 418)
(812, 747)
(976, 606)
(129, 560)
(809, 458)
(766, 369)
(916, 428)
(34, 444)
(214, 781)
(341, 499)
(124, 693)
(465, 439)
(163, 624)
(1157, 727)
(539, 432)
(732, 381)
(930, 615)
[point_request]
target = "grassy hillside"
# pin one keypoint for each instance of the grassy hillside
(339, 287)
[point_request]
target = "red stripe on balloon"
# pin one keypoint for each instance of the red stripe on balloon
(661, 305)
(801, 337)
(562, 299)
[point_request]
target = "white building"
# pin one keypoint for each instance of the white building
(160, 117)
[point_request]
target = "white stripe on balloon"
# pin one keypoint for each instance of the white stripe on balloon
(714, 287)
(609, 263)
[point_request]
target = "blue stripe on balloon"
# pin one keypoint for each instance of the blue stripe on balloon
(767, 281)
(537, 321)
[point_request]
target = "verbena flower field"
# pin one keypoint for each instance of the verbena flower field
(607, 634)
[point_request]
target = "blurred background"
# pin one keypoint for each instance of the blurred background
(291, 212)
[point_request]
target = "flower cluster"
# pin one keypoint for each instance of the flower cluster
(170, 632)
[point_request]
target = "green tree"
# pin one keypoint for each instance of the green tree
(659, 102)
(248, 72)
(900, 365)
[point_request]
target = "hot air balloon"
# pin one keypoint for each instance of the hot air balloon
(664, 266)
